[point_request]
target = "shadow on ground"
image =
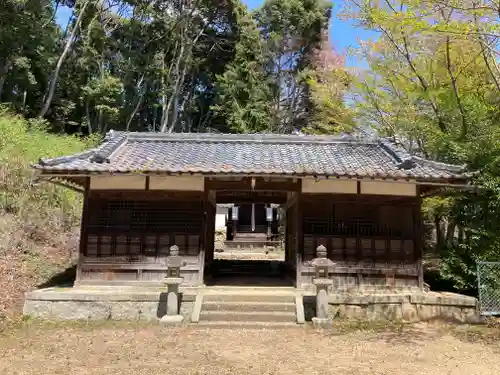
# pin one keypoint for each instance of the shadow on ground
(65, 278)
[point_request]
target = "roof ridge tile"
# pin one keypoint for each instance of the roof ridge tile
(246, 138)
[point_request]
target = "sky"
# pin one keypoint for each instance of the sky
(344, 35)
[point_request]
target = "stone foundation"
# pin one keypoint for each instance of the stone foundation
(147, 304)
(402, 307)
(102, 304)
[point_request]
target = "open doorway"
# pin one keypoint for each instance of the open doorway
(249, 243)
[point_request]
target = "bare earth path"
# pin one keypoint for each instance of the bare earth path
(156, 350)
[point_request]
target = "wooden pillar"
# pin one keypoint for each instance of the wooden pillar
(210, 209)
(252, 220)
(229, 224)
(418, 239)
(235, 220)
(299, 244)
(287, 233)
(298, 226)
(268, 209)
(83, 230)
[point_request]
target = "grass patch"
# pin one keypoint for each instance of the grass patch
(38, 224)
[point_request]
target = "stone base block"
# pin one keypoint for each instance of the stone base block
(413, 307)
(172, 319)
(322, 323)
(110, 303)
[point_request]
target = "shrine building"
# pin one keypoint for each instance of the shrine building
(144, 192)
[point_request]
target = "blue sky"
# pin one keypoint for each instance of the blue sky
(343, 34)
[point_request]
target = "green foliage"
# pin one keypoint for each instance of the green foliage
(21, 143)
(169, 66)
(329, 114)
(433, 82)
(104, 95)
(293, 32)
(243, 90)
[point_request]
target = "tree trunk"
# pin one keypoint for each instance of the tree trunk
(139, 101)
(2, 82)
(438, 226)
(450, 233)
(4, 70)
(179, 83)
(89, 119)
(67, 49)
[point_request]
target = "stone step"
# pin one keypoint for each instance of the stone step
(248, 325)
(248, 316)
(249, 306)
(257, 269)
(248, 297)
(244, 235)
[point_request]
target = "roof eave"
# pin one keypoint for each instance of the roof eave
(452, 180)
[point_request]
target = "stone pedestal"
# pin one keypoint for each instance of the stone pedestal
(173, 281)
(322, 266)
(322, 320)
(172, 316)
(172, 319)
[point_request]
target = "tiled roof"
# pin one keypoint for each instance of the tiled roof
(262, 154)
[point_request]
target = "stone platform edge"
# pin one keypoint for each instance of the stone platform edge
(405, 307)
(103, 304)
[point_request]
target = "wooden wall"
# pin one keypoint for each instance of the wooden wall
(127, 235)
(373, 239)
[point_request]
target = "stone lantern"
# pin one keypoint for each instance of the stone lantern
(322, 265)
(173, 281)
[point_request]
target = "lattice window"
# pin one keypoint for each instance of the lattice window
(149, 228)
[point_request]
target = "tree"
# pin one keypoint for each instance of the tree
(329, 83)
(67, 48)
(243, 91)
(292, 31)
(432, 83)
(27, 38)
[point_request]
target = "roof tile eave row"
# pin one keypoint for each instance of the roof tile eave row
(346, 174)
(121, 153)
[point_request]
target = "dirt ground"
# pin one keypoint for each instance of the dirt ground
(129, 349)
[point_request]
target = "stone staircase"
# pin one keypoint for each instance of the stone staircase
(249, 307)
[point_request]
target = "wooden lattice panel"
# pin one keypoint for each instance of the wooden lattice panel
(380, 250)
(147, 275)
(351, 250)
(121, 245)
(135, 247)
(193, 245)
(337, 249)
(409, 250)
(125, 275)
(350, 243)
(105, 246)
(396, 251)
(309, 248)
(143, 227)
(366, 247)
(92, 275)
(92, 245)
(163, 245)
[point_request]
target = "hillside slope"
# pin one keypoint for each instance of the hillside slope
(38, 224)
